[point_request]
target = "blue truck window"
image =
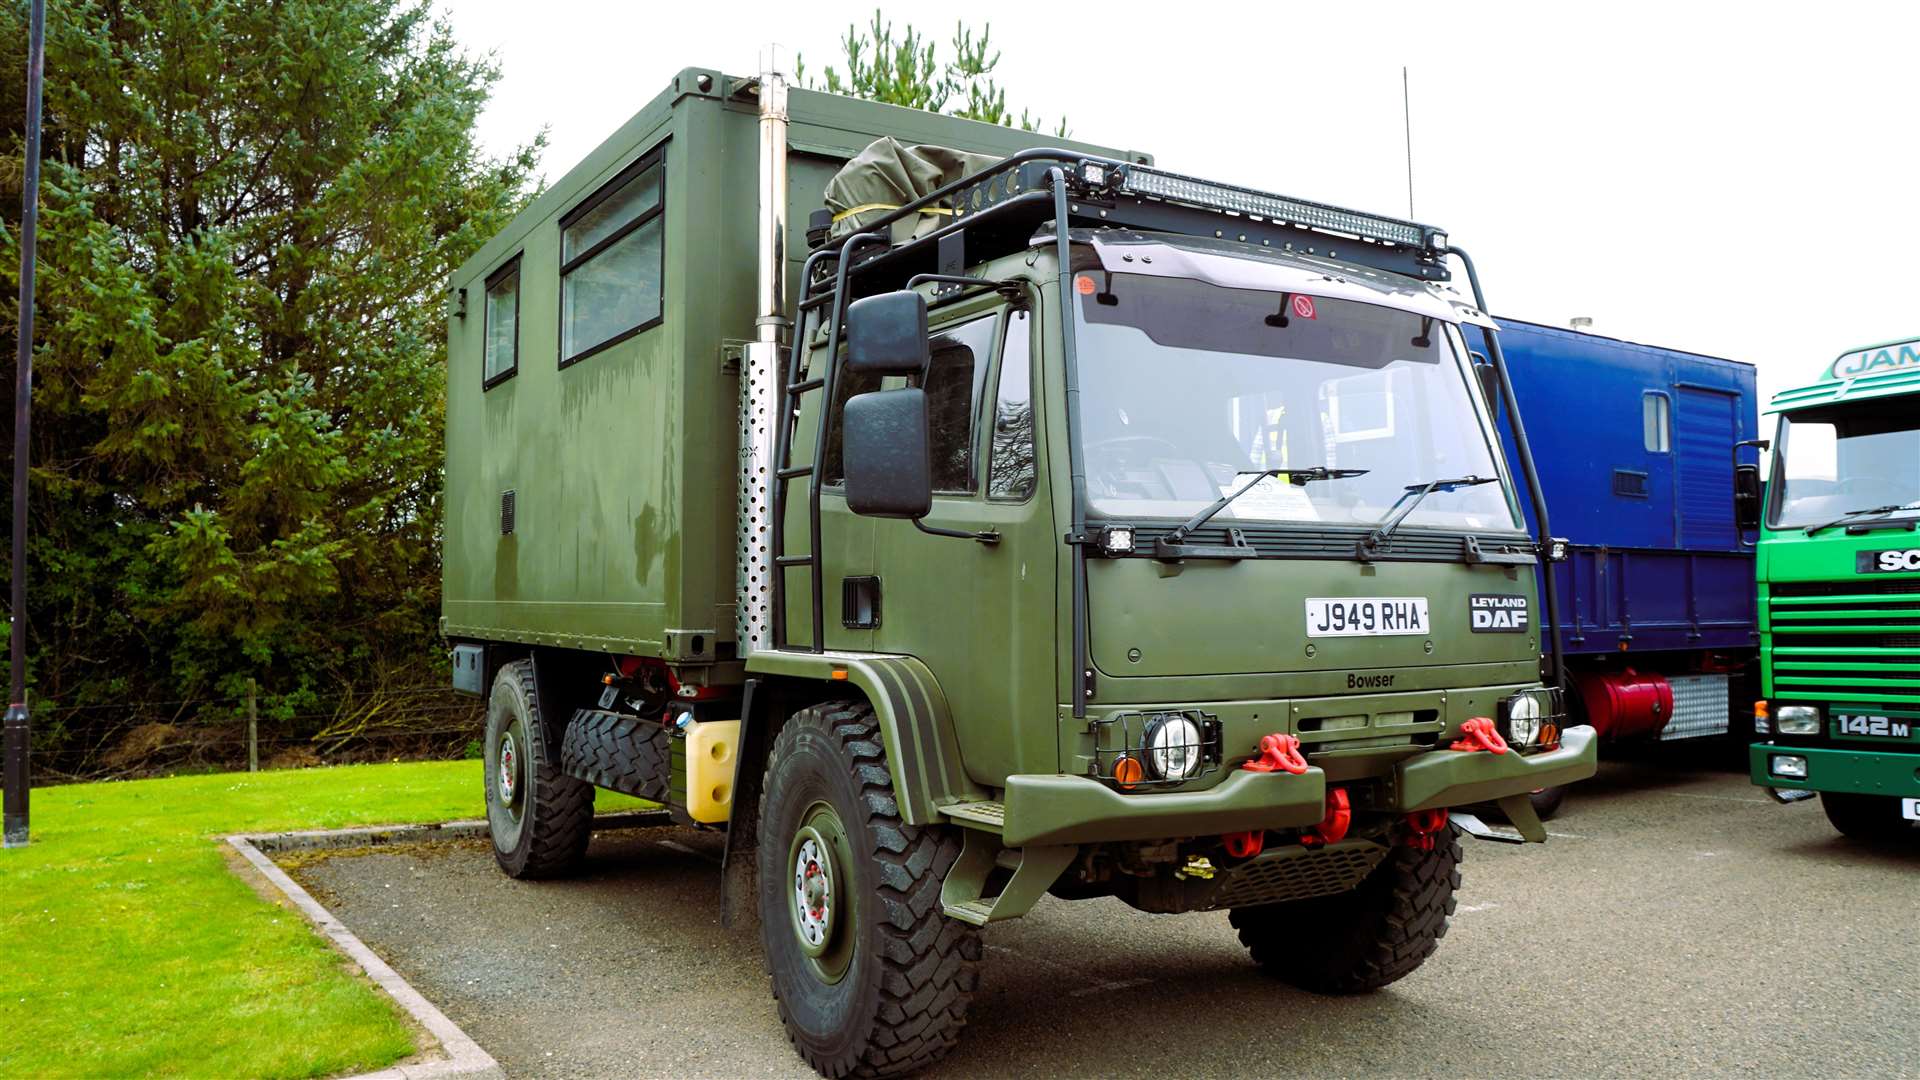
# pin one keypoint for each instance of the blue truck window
(1656, 422)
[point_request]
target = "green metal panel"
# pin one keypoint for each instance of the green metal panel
(622, 464)
(1860, 772)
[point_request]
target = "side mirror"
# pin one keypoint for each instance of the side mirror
(885, 452)
(1489, 377)
(1747, 494)
(887, 334)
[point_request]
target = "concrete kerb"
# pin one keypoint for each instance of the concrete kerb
(460, 1055)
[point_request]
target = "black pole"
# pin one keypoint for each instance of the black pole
(1532, 476)
(16, 722)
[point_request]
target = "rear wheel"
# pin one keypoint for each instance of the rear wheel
(1546, 802)
(539, 817)
(871, 977)
(1867, 817)
(1365, 938)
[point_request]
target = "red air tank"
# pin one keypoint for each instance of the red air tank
(1625, 703)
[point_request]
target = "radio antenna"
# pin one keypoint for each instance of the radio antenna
(1406, 116)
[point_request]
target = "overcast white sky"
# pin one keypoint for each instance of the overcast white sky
(1738, 180)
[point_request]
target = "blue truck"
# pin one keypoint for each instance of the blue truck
(1636, 448)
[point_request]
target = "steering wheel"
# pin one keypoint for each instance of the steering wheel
(1113, 458)
(1142, 441)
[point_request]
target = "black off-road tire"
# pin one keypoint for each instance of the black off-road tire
(909, 972)
(620, 753)
(1365, 938)
(540, 828)
(1873, 818)
(1546, 802)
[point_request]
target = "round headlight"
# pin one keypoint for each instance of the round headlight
(1173, 747)
(1523, 719)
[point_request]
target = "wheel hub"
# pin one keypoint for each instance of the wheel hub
(823, 898)
(508, 769)
(813, 899)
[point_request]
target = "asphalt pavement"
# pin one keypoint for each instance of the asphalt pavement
(1677, 923)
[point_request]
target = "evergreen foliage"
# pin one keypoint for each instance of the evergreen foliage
(908, 72)
(249, 213)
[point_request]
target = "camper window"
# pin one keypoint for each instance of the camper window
(502, 346)
(610, 263)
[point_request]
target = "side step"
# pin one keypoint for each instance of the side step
(963, 894)
(988, 816)
(618, 752)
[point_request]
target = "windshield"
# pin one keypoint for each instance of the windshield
(1836, 459)
(1187, 390)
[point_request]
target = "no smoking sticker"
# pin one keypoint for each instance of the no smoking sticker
(1303, 307)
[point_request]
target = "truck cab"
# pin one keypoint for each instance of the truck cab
(1839, 568)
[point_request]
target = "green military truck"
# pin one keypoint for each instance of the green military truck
(1839, 570)
(1028, 521)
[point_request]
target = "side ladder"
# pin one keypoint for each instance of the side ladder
(794, 386)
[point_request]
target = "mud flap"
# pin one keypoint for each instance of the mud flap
(738, 906)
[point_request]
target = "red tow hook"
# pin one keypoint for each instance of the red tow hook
(1333, 827)
(1278, 753)
(1244, 845)
(1479, 734)
(1423, 826)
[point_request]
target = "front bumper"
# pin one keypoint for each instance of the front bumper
(1056, 809)
(1843, 769)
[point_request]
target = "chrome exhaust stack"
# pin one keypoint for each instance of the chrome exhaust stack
(760, 374)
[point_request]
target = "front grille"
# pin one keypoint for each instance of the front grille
(1847, 642)
(1850, 643)
(1893, 587)
(1338, 542)
(1295, 873)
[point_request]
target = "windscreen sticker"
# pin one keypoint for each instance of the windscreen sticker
(1889, 561)
(1303, 307)
(1273, 499)
(1497, 613)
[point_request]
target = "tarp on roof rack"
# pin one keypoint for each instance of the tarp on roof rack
(886, 176)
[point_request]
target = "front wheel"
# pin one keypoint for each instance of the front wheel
(1867, 817)
(1365, 938)
(871, 977)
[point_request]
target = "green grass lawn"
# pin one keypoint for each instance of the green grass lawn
(128, 947)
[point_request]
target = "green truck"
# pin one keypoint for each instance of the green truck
(1024, 520)
(1839, 569)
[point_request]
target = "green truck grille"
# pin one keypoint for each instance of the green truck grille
(1847, 642)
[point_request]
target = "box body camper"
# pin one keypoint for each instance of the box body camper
(956, 517)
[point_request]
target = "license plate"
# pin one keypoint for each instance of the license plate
(1366, 616)
(1910, 809)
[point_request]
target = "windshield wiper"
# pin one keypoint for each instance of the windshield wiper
(1869, 512)
(1370, 543)
(1299, 477)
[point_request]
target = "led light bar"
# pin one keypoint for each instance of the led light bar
(1172, 187)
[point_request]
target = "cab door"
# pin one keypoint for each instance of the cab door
(979, 615)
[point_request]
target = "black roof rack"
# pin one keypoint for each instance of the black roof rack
(997, 209)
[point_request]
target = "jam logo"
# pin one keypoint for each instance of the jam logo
(1874, 361)
(1497, 613)
(1889, 561)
